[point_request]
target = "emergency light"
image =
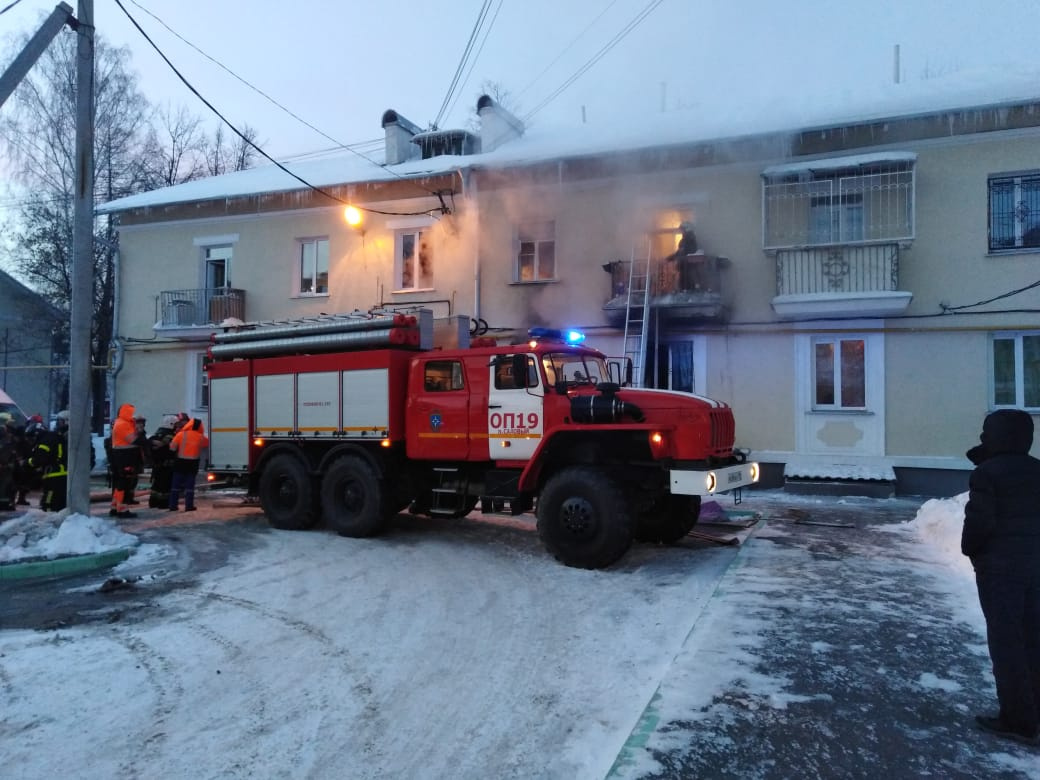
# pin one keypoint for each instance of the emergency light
(555, 334)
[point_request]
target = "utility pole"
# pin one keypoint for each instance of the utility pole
(82, 267)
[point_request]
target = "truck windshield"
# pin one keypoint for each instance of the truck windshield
(574, 369)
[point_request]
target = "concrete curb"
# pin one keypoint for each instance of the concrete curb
(62, 567)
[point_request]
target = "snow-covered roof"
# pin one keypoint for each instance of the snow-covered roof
(625, 132)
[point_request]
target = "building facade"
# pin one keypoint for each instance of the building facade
(861, 293)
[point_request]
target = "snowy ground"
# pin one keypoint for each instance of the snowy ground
(456, 649)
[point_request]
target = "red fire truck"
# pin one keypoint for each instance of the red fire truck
(352, 419)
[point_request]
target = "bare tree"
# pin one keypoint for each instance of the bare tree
(39, 131)
(224, 156)
(175, 148)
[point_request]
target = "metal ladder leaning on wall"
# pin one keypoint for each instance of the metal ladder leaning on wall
(637, 315)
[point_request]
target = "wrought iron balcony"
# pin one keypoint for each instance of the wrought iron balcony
(684, 288)
(839, 280)
(200, 308)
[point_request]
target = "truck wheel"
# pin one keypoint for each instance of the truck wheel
(352, 498)
(583, 518)
(287, 494)
(669, 520)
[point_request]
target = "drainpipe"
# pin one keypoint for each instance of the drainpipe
(116, 344)
(468, 184)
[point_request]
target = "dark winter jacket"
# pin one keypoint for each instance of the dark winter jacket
(1002, 517)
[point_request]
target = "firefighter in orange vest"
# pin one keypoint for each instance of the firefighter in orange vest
(187, 447)
(126, 460)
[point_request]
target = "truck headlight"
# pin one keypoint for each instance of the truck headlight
(710, 481)
(753, 472)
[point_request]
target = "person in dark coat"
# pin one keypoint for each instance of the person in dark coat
(1001, 536)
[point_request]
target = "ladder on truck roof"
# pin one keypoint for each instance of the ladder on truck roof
(637, 314)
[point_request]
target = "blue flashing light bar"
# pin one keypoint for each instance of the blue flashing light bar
(554, 334)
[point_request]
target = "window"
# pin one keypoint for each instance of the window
(1016, 370)
(201, 382)
(536, 257)
(842, 200)
(1014, 212)
(839, 378)
(414, 262)
(442, 375)
(836, 219)
(218, 267)
(313, 268)
(504, 374)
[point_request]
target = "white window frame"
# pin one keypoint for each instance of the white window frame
(418, 235)
(1021, 401)
(836, 341)
(301, 247)
(198, 383)
(541, 235)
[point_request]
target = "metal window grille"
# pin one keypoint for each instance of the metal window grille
(839, 207)
(1014, 212)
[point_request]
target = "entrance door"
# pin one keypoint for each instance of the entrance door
(515, 421)
(840, 407)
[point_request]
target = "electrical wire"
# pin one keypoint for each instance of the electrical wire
(567, 48)
(647, 10)
(946, 308)
(476, 57)
(8, 7)
(353, 148)
(258, 149)
(481, 16)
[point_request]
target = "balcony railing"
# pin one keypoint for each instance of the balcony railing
(187, 308)
(837, 269)
(687, 287)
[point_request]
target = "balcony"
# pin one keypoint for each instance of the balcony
(205, 308)
(687, 289)
(824, 281)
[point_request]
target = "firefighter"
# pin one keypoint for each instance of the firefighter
(142, 459)
(50, 457)
(162, 459)
(125, 460)
(187, 447)
(8, 460)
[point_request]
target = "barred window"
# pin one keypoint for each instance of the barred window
(839, 201)
(1014, 212)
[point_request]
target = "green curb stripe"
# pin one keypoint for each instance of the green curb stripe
(647, 723)
(63, 567)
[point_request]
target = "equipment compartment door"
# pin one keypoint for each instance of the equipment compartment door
(229, 429)
(515, 417)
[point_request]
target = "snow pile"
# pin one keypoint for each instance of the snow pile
(45, 535)
(938, 523)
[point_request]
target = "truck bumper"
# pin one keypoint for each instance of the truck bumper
(711, 481)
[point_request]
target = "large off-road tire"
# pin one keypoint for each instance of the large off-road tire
(287, 494)
(352, 497)
(669, 520)
(584, 518)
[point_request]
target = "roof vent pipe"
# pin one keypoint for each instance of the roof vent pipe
(399, 133)
(496, 124)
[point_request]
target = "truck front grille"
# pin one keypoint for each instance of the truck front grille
(723, 430)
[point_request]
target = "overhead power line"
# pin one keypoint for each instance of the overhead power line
(647, 10)
(476, 57)
(353, 148)
(567, 48)
(481, 16)
(252, 144)
(8, 7)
